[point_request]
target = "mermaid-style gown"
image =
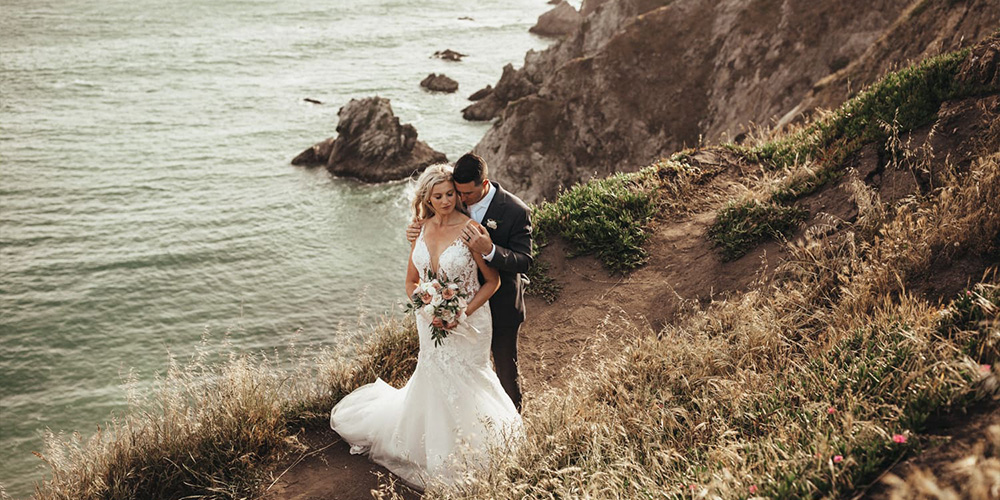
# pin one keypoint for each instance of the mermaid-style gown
(453, 413)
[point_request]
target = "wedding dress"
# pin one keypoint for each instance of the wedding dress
(453, 414)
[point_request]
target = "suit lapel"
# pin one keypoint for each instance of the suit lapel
(496, 209)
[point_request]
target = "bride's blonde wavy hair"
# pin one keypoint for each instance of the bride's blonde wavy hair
(435, 174)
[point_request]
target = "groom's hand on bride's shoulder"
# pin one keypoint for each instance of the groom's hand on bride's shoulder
(413, 230)
(477, 238)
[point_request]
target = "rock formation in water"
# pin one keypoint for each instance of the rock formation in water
(371, 145)
(560, 21)
(449, 55)
(439, 83)
(640, 79)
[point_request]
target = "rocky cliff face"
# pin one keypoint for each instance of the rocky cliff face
(924, 29)
(641, 79)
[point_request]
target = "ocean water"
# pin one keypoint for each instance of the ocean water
(146, 195)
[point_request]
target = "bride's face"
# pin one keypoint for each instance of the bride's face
(443, 197)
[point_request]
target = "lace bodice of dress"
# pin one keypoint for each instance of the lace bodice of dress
(455, 262)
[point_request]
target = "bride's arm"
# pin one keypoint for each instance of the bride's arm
(486, 291)
(412, 275)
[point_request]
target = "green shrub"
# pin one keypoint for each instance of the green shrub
(739, 227)
(606, 217)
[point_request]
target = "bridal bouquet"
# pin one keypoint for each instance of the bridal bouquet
(439, 298)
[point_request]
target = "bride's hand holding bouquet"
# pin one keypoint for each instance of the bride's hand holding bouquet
(443, 300)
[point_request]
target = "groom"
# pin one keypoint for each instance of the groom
(504, 241)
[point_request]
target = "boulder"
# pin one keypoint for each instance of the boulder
(449, 55)
(371, 145)
(560, 21)
(439, 83)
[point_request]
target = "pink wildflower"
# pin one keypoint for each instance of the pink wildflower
(838, 458)
(968, 293)
(984, 368)
(693, 487)
(753, 489)
(831, 410)
(898, 438)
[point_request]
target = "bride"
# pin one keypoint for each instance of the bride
(452, 413)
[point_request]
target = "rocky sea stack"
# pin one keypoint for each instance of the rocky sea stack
(439, 83)
(371, 145)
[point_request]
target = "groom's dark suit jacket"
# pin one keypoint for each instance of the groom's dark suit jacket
(512, 239)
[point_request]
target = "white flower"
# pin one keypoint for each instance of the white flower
(429, 309)
(447, 315)
(490, 223)
(436, 300)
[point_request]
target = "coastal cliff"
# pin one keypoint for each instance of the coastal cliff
(639, 80)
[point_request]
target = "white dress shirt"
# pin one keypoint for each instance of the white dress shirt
(478, 210)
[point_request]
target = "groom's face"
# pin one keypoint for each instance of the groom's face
(471, 192)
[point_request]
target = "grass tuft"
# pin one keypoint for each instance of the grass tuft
(606, 217)
(739, 227)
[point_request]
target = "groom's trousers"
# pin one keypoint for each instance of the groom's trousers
(504, 347)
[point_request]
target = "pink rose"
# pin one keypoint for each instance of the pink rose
(448, 293)
(426, 298)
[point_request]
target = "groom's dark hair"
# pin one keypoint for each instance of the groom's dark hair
(470, 168)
